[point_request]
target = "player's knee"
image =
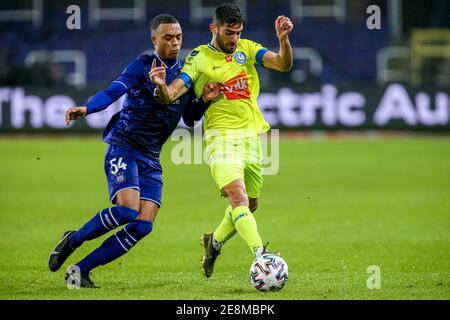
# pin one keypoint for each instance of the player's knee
(148, 211)
(139, 228)
(129, 205)
(237, 195)
(128, 198)
(123, 214)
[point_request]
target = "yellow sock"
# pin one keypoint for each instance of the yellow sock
(245, 224)
(226, 230)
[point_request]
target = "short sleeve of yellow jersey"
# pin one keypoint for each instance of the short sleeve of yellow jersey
(254, 51)
(189, 72)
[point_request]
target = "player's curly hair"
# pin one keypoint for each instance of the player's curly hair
(161, 19)
(228, 13)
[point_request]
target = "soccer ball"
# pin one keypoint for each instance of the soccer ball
(269, 272)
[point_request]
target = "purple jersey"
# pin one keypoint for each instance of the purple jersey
(145, 124)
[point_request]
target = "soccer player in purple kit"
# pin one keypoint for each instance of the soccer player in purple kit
(135, 136)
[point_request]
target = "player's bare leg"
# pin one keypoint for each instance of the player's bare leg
(148, 211)
(129, 198)
(236, 193)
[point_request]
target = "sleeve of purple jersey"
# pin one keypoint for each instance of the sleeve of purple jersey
(195, 110)
(130, 77)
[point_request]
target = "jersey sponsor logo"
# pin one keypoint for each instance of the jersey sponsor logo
(237, 87)
(128, 242)
(108, 220)
(240, 57)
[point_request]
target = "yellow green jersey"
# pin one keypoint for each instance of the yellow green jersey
(237, 109)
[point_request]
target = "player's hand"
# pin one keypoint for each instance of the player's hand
(157, 74)
(212, 91)
(283, 27)
(75, 113)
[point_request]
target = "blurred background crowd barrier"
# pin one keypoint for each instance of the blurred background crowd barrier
(346, 76)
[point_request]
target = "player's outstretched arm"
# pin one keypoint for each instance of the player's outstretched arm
(97, 103)
(281, 61)
(132, 75)
(167, 93)
(75, 113)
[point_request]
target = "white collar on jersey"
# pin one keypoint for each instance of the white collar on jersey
(162, 62)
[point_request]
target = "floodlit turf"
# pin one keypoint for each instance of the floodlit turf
(336, 208)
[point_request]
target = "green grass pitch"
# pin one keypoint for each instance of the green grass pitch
(335, 208)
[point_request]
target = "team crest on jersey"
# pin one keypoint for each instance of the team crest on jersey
(240, 57)
(237, 87)
(120, 178)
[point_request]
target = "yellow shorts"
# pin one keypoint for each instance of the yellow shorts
(237, 158)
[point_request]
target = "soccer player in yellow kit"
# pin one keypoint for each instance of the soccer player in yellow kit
(233, 122)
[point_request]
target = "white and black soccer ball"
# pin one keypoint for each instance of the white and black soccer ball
(269, 272)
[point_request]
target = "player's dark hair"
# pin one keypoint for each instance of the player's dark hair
(161, 19)
(228, 13)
